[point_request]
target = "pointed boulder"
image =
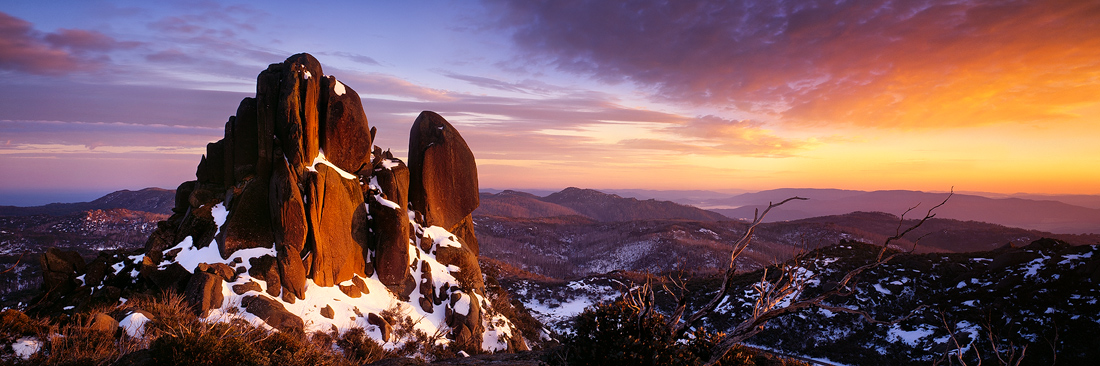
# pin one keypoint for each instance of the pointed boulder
(442, 172)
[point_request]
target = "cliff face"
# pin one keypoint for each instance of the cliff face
(296, 220)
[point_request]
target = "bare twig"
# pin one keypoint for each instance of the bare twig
(958, 347)
(677, 327)
(844, 287)
(16, 263)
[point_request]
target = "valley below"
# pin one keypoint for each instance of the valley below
(560, 254)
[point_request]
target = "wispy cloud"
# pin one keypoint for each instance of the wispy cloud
(360, 59)
(55, 137)
(567, 124)
(880, 63)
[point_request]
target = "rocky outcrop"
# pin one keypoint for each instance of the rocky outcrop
(442, 173)
(60, 269)
(296, 196)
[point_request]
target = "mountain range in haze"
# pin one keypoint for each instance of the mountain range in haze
(1045, 215)
(580, 232)
(1061, 214)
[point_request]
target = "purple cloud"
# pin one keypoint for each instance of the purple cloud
(362, 59)
(79, 40)
(26, 50)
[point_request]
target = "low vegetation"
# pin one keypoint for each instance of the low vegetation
(175, 336)
(618, 333)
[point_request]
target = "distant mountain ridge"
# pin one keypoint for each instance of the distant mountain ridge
(589, 203)
(566, 247)
(152, 200)
(510, 203)
(1044, 215)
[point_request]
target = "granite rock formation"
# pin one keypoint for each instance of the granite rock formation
(295, 199)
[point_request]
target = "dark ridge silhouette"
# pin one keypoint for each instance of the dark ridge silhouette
(520, 204)
(610, 207)
(1044, 215)
(152, 200)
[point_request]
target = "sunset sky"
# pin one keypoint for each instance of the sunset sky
(993, 96)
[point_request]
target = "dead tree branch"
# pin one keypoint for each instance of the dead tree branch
(766, 307)
(677, 327)
(16, 263)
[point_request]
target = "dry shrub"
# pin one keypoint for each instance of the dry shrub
(168, 311)
(415, 342)
(613, 334)
(64, 341)
(360, 348)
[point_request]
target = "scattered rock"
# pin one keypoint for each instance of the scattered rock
(382, 324)
(204, 292)
(60, 268)
(246, 287)
(103, 323)
(427, 288)
(172, 278)
(265, 268)
(463, 315)
(273, 313)
(96, 271)
(221, 269)
(356, 289)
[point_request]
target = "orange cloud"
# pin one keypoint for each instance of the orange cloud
(868, 63)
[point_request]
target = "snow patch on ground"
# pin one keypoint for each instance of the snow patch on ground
(497, 331)
(883, 290)
(1035, 265)
(26, 346)
(910, 337)
(441, 237)
(1074, 257)
(134, 324)
(555, 311)
(622, 257)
